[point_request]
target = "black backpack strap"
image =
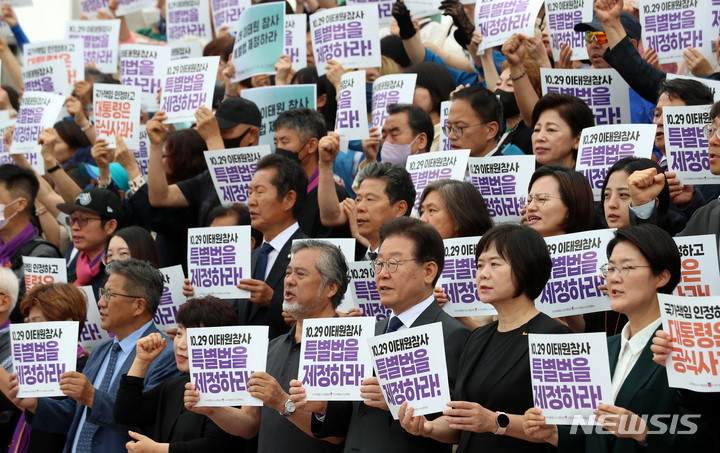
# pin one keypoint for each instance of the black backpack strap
(27, 248)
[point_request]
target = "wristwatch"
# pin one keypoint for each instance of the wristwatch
(503, 421)
(289, 408)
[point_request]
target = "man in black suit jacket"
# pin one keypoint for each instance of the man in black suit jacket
(276, 194)
(408, 265)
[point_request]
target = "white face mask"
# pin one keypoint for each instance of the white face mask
(397, 154)
(3, 220)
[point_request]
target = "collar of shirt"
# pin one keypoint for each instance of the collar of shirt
(409, 316)
(630, 349)
(129, 343)
(280, 240)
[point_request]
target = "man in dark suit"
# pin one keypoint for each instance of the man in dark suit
(408, 265)
(275, 197)
(127, 306)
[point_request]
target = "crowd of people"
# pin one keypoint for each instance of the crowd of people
(116, 227)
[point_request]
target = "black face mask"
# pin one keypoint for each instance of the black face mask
(508, 102)
(289, 154)
(235, 142)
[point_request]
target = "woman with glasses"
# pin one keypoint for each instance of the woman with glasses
(642, 262)
(493, 383)
(132, 242)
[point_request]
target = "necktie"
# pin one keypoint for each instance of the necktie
(261, 265)
(394, 324)
(84, 443)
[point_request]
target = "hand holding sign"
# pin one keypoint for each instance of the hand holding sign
(260, 292)
(661, 347)
(141, 443)
(468, 416)
(156, 130)
(622, 422)
(29, 404)
(76, 385)
(373, 394)
(191, 398)
(535, 427)
(417, 426)
(266, 388)
(297, 395)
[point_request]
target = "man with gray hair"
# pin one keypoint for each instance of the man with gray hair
(315, 280)
(127, 305)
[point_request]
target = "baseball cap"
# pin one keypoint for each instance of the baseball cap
(232, 112)
(102, 202)
(117, 173)
(631, 25)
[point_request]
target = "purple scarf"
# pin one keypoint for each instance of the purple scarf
(7, 251)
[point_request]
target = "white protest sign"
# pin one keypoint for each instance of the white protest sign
(714, 85)
(49, 77)
(100, 38)
(602, 146)
(126, 7)
(422, 8)
(497, 20)
(296, 40)
(142, 66)
(603, 90)
(43, 271)
(90, 7)
(458, 279)
(384, 9)
(351, 121)
(17, 3)
(570, 375)
(38, 111)
(142, 152)
(70, 51)
(501, 180)
(686, 147)
(334, 358)
(5, 124)
(423, 380)
(92, 334)
(188, 84)
(348, 35)
(117, 112)
(227, 13)
(185, 49)
(694, 326)
(428, 167)
(670, 26)
(389, 90)
(222, 360)
(573, 285)
(232, 170)
(444, 112)
(364, 290)
(273, 100)
(171, 299)
(218, 258)
(562, 16)
(187, 18)
(259, 41)
(699, 275)
(41, 352)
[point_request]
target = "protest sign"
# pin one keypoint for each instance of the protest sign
(296, 40)
(573, 285)
(49, 77)
(497, 20)
(603, 90)
(227, 13)
(187, 18)
(422, 8)
(141, 153)
(188, 84)
(43, 271)
(126, 7)
(422, 380)
(41, 352)
(217, 259)
(570, 375)
(384, 8)
(389, 90)
(444, 112)
(142, 66)
(364, 290)
(90, 7)
(273, 100)
(334, 358)
(428, 167)
(348, 35)
(602, 146)
(185, 49)
(70, 51)
(38, 111)
(686, 146)
(351, 121)
(694, 326)
(562, 16)
(117, 112)
(222, 360)
(100, 42)
(259, 41)
(171, 299)
(458, 279)
(501, 180)
(5, 124)
(92, 334)
(232, 170)
(699, 275)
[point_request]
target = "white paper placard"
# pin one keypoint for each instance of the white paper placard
(70, 51)
(384, 9)
(444, 112)
(389, 90)
(699, 273)
(188, 84)
(92, 334)
(100, 38)
(501, 180)
(351, 121)
(126, 7)
(49, 77)
(686, 147)
(37, 111)
(117, 112)
(233, 169)
(273, 100)
(364, 290)
(562, 16)
(422, 8)
(5, 124)
(428, 167)
(171, 299)
(141, 153)
(188, 18)
(422, 350)
(41, 352)
(497, 20)
(259, 41)
(90, 7)
(185, 49)
(218, 258)
(227, 12)
(334, 358)
(143, 66)
(223, 381)
(43, 271)
(296, 40)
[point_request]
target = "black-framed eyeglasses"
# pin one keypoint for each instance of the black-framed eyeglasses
(81, 221)
(606, 270)
(538, 198)
(107, 294)
(709, 130)
(458, 130)
(391, 264)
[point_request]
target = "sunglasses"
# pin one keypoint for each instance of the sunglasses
(599, 35)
